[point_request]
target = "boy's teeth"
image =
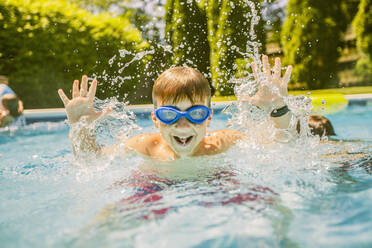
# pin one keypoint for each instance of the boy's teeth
(182, 140)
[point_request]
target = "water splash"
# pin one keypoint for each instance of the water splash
(136, 57)
(132, 71)
(114, 126)
(252, 120)
(248, 118)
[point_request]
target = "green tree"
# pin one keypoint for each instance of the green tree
(363, 25)
(212, 34)
(186, 31)
(274, 14)
(44, 45)
(350, 8)
(310, 39)
(96, 5)
(147, 17)
(229, 31)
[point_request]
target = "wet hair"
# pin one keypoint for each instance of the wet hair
(319, 125)
(11, 103)
(180, 83)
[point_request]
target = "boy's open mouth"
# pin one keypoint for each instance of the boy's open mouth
(183, 141)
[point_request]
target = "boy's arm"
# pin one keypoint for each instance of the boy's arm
(270, 96)
(81, 104)
(139, 143)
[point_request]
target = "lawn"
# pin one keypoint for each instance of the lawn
(314, 93)
(324, 101)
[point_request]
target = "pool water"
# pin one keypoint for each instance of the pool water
(314, 194)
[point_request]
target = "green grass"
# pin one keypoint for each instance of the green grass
(324, 101)
(315, 93)
(343, 91)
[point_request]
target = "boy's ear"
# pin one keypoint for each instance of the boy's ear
(209, 118)
(154, 119)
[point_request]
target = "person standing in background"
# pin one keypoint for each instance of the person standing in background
(11, 108)
(4, 88)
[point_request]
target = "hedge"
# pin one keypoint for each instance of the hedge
(44, 45)
(207, 34)
(363, 25)
(311, 36)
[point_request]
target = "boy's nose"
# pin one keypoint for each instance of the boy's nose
(182, 122)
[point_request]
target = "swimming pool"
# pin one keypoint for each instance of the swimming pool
(307, 195)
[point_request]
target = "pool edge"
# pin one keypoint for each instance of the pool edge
(59, 114)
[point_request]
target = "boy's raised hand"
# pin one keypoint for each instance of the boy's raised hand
(81, 103)
(270, 95)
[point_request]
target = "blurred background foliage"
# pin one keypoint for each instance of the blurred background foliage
(215, 31)
(310, 39)
(363, 28)
(44, 45)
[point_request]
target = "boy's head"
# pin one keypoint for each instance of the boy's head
(182, 88)
(180, 83)
(11, 103)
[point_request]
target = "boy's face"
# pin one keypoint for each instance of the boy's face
(182, 136)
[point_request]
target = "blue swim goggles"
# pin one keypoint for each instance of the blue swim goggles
(170, 114)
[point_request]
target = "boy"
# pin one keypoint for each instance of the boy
(181, 97)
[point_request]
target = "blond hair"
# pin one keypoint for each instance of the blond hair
(180, 83)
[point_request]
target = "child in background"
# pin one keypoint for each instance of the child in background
(11, 114)
(320, 125)
(182, 98)
(11, 108)
(4, 88)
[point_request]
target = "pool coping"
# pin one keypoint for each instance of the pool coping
(59, 114)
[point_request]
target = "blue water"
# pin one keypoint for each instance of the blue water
(318, 195)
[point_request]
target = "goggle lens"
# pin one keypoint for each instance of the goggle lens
(198, 114)
(170, 114)
(167, 115)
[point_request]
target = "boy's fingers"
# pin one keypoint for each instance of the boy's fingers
(287, 75)
(266, 66)
(63, 97)
(75, 89)
(254, 70)
(277, 69)
(84, 86)
(92, 90)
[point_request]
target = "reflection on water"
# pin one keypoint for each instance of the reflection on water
(228, 200)
(298, 194)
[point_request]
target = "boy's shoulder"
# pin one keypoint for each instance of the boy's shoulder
(153, 145)
(143, 143)
(219, 141)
